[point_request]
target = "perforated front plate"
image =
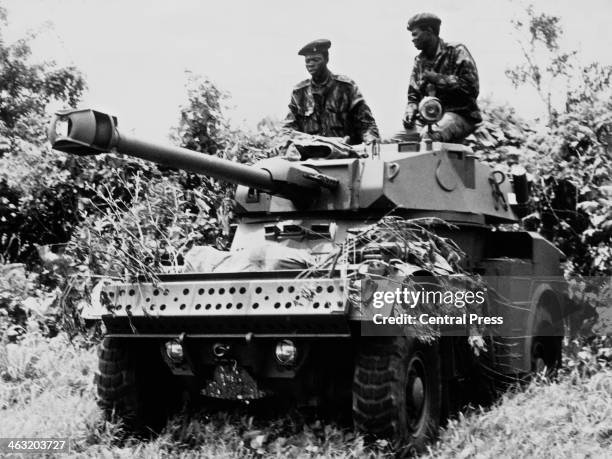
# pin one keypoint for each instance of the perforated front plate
(226, 298)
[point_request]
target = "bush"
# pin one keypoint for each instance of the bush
(151, 229)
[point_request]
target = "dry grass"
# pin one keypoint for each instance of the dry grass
(47, 391)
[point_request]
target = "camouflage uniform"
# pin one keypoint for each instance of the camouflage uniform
(335, 108)
(457, 88)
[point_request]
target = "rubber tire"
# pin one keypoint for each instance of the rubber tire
(135, 386)
(546, 350)
(380, 399)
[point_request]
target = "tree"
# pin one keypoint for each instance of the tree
(202, 125)
(37, 202)
(27, 89)
(569, 164)
(544, 63)
(550, 70)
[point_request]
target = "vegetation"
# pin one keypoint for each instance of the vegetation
(67, 221)
(569, 165)
(47, 391)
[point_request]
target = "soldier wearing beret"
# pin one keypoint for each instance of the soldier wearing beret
(327, 104)
(448, 71)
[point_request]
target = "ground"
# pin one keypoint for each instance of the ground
(47, 390)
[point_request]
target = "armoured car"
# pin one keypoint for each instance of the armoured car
(302, 324)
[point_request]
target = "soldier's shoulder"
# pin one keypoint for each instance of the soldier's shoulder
(301, 85)
(344, 79)
(457, 46)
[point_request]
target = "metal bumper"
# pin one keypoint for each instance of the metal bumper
(222, 298)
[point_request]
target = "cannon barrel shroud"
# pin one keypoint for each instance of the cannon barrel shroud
(87, 132)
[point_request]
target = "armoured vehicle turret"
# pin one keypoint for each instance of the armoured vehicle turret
(311, 331)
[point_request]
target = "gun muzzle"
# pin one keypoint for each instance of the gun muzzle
(83, 132)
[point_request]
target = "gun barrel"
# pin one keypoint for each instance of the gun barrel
(200, 163)
(86, 132)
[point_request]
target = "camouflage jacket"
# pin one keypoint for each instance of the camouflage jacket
(457, 88)
(333, 109)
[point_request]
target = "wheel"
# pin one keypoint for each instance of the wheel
(397, 391)
(546, 351)
(135, 386)
(546, 344)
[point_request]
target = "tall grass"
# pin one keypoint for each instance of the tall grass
(47, 390)
(572, 418)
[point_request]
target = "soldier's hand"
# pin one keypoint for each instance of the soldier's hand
(346, 139)
(368, 138)
(431, 77)
(409, 116)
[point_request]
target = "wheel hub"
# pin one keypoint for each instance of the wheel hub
(537, 357)
(416, 393)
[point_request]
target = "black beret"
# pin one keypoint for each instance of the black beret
(423, 19)
(315, 47)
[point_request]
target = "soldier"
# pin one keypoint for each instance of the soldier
(329, 105)
(448, 71)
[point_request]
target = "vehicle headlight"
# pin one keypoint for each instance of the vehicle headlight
(174, 351)
(286, 352)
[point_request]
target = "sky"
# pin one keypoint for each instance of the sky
(134, 53)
